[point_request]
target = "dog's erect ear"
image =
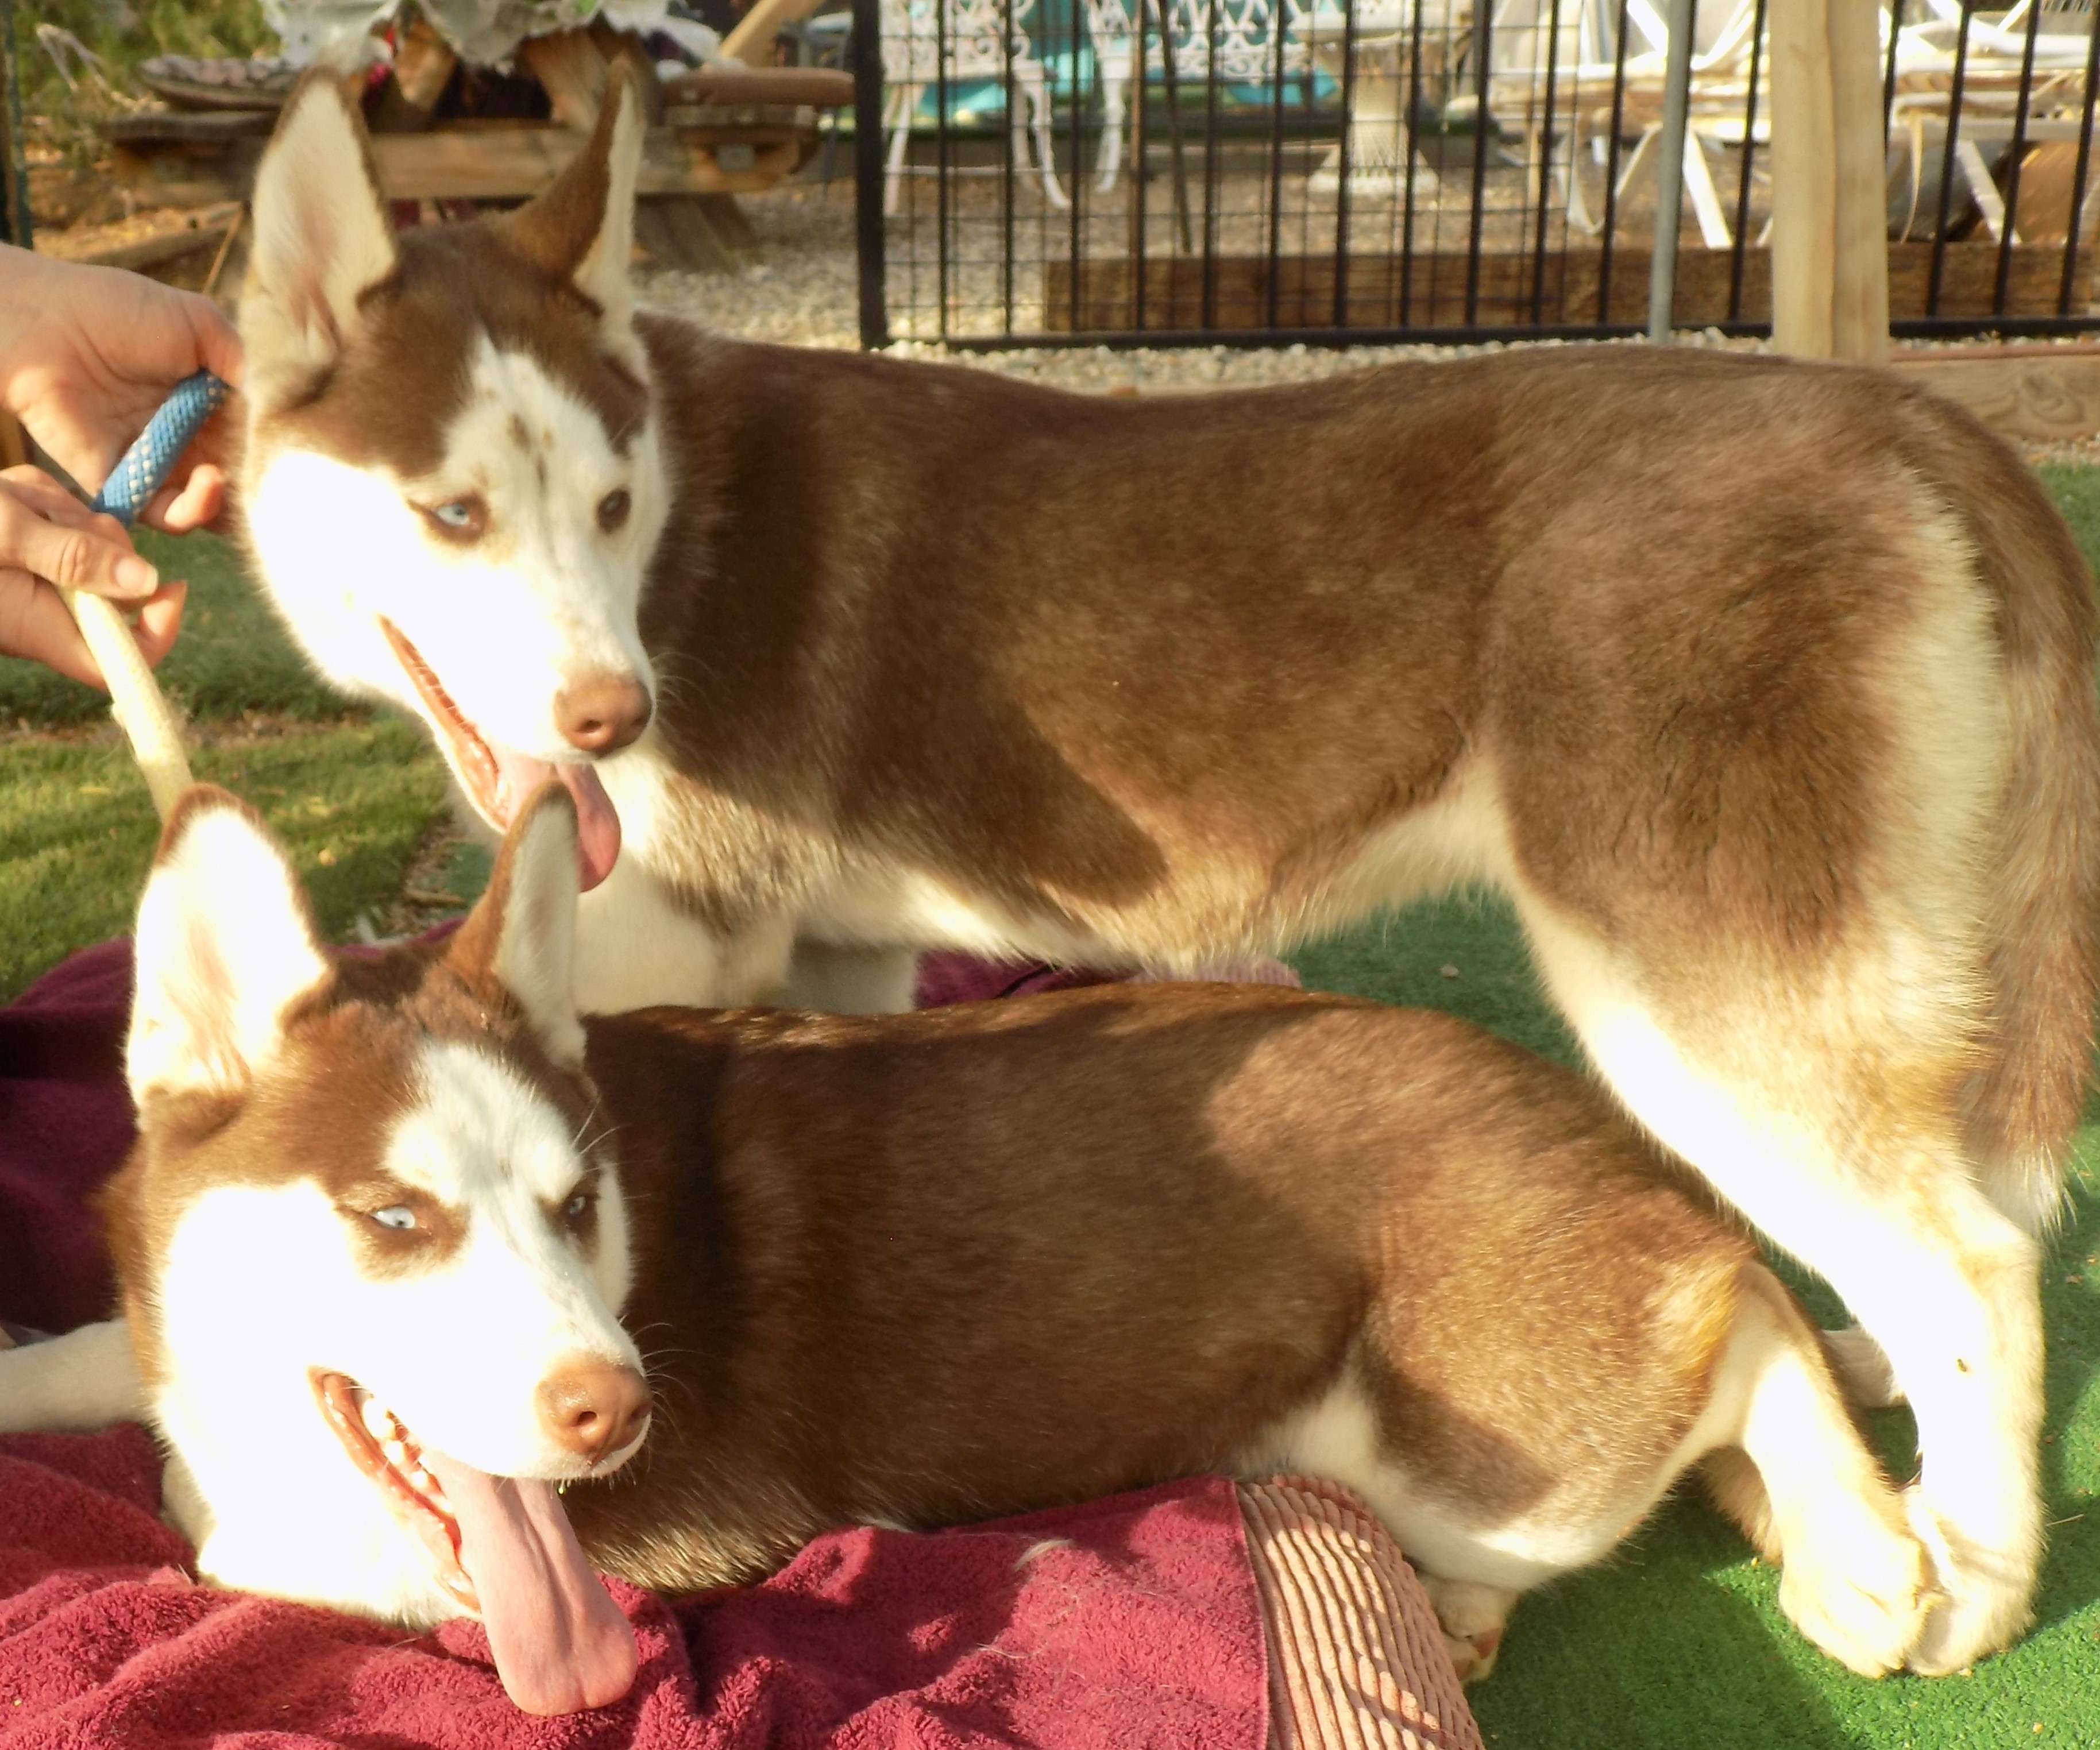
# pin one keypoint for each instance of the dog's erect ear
(225, 942)
(581, 226)
(320, 239)
(522, 931)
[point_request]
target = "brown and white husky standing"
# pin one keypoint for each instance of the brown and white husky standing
(1764, 691)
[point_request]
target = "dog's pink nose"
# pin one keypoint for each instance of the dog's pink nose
(602, 712)
(595, 1408)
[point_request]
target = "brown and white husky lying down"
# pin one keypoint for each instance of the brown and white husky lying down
(405, 1249)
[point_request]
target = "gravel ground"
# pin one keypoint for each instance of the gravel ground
(801, 289)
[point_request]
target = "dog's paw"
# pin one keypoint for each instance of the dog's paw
(78, 1383)
(1472, 1617)
(1981, 1597)
(1862, 1597)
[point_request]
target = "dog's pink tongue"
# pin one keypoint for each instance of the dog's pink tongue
(597, 823)
(560, 1642)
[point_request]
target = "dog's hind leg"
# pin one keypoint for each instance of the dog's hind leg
(84, 1380)
(1862, 1368)
(1855, 1580)
(1789, 1114)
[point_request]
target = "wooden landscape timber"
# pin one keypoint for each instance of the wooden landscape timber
(1516, 290)
(2044, 392)
(143, 249)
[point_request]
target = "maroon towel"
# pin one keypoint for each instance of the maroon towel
(65, 1123)
(1128, 1622)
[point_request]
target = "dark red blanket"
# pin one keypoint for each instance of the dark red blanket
(1128, 1622)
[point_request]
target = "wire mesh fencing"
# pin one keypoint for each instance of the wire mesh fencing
(1169, 171)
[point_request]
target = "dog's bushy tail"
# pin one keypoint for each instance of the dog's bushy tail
(2024, 1104)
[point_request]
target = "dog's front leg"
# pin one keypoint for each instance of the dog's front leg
(636, 947)
(851, 980)
(84, 1380)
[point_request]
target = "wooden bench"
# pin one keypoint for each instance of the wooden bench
(714, 133)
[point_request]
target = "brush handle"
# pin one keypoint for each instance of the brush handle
(136, 701)
(144, 469)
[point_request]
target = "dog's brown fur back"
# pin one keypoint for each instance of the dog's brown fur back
(872, 1321)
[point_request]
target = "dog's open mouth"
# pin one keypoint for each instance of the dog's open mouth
(502, 1549)
(499, 778)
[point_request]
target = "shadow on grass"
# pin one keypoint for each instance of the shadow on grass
(2070, 1454)
(1677, 1642)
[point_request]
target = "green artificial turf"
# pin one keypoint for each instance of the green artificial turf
(1678, 1642)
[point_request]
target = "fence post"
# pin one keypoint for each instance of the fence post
(868, 173)
(13, 171)
(1829, 233)
(1669, 172)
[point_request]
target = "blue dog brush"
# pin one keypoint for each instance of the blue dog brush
(144, 469)
(135, 699)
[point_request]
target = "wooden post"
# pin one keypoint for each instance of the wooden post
(1829, 234)
(14, 170)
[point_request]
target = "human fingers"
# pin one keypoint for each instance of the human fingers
(192, 502)
(143, 331)
(34, 623)
(91, 553)
(108, 346)
(160, 619)
(217, 345)
(47, 498)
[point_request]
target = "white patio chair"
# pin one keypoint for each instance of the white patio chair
(1583, 60)
(1381, 138)
(1247, 52)
(913, 38)
(1925, 54)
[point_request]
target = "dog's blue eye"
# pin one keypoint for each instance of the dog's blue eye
(459, 519)
(397, 1215)
(573, 1209)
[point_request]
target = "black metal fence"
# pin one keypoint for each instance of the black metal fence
(1052, 172)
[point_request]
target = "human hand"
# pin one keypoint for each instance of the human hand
(47, 536)
(86, 356)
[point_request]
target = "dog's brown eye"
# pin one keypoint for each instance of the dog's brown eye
(612, 510)
(462, 520)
